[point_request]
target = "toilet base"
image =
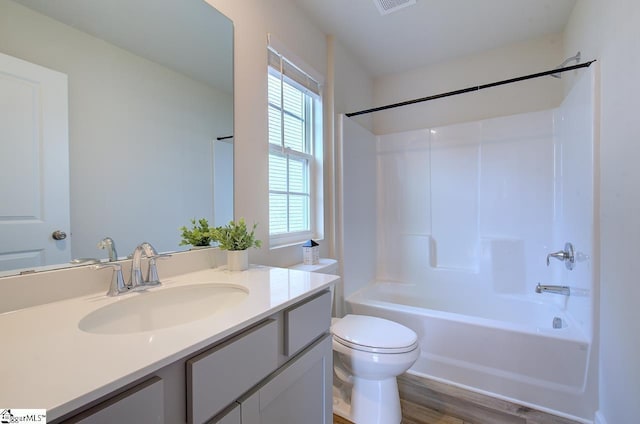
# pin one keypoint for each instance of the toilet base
(375, 401)
(341, 404)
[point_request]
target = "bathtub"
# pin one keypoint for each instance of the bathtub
(502, 346)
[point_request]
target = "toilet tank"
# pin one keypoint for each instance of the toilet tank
(326, 266)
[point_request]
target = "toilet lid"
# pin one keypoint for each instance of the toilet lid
(374, 334)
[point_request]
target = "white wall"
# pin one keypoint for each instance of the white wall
(608, 31)
(140, 148)
(353, 88)
(482, 68)
(253, 19)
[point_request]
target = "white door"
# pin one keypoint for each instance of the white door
(34, 165)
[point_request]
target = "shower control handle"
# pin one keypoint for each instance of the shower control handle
(567, 256)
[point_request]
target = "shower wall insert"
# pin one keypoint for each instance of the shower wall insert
(465, 216)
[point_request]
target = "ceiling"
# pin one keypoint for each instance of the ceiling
(433, 31)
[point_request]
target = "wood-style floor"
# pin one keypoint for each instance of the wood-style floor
(337, 419)
(426, 401)
(419, 414)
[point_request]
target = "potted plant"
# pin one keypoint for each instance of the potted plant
(199, 235)
(236, 239)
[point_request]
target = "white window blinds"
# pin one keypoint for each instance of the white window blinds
(292, 72)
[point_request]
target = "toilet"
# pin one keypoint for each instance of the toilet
(368, 354)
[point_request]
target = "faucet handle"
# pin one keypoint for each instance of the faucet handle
(567, 256)
(560, 255)
(117, 286)
(152, 274)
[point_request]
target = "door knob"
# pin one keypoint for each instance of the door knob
(59, 235)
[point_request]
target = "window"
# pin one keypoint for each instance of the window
(294, 152)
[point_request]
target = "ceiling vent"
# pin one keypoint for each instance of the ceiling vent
(387, 6)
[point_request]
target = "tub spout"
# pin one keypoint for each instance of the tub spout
(563, 290)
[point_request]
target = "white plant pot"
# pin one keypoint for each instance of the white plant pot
(237, 260)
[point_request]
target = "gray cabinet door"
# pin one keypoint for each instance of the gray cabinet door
(299, 393)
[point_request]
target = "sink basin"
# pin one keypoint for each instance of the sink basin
(158, 309)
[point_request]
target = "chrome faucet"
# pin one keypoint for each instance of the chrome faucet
(150, 252)
(563, 290)
(108, 244)
(567, 255)
(136, 282)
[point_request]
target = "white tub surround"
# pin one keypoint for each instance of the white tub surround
(49, 362)
(465, 216)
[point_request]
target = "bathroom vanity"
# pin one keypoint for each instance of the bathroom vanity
(266, 358)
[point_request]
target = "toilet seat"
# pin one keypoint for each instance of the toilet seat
(371, 349)
(373, 334)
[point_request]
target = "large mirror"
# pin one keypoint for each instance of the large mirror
(122, 104)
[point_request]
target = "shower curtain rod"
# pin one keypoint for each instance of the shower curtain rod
(470, 89)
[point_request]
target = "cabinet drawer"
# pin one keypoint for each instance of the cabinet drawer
(304, 322)
(229, 417)
(219, 376)
(142, 404)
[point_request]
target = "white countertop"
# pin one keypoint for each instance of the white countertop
(48, 362)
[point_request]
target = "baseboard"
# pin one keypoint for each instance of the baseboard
(599, 418)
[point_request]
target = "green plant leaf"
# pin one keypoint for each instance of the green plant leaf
(235, 236)
(198, 235)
